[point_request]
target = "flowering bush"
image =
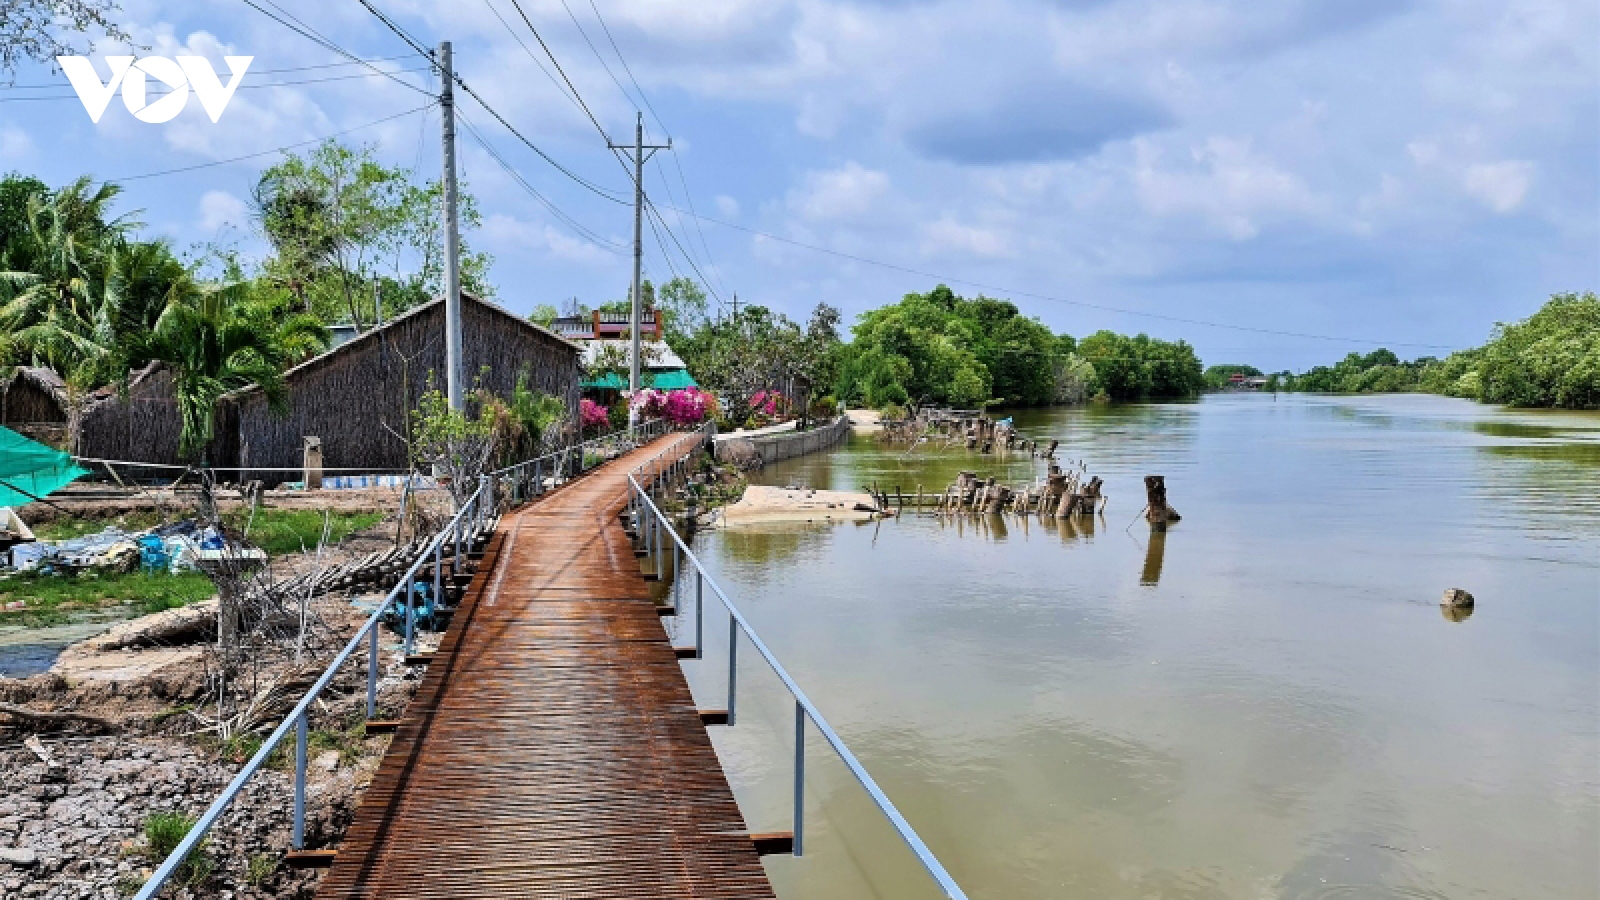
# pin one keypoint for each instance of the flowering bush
(768, 403)
(681, 407)
(592, 414)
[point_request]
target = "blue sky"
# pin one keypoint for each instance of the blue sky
(1400, 171)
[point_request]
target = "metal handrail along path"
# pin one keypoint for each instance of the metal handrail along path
(651, 527)
(471, 513)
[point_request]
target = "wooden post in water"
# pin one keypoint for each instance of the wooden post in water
(1156, 511)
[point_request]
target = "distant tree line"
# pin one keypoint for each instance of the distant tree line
(941, 348)
(1551, 359)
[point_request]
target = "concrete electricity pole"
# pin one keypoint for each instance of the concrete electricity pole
(638, 158)
(454, 388)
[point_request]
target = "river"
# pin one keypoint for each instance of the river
(1265, 703)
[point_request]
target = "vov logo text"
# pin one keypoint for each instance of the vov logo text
(180, 75)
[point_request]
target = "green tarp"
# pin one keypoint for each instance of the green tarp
(669, 380)
(29, 467)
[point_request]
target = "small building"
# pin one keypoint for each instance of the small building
(358, 398)
(607, 340)
(137, 422)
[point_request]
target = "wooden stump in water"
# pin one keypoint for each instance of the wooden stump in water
(1055, 488)
(1157, 512)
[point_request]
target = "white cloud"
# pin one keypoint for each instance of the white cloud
(508, 232)
(946, 234)
(1229, 184)
(219, 209)
(15, 145)
(727, 206)
(845, 193)
(1500, 185)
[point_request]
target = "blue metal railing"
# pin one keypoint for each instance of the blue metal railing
(471, 514)
(653, 530)
(526, 480)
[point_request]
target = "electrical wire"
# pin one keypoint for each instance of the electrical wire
(378, 59)
(457, 79)
(579, 97)
(650, 206)
(242, 87)
(560, 88)
(318, 140)
(582, 230)
(1053, 299)
(687, 194)
(312, 35)
(596, 51)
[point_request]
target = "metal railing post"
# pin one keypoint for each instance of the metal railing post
(799, 776)
(298, 838)
(411, 617)
(677, 583)
(699, 614)
(372, 669)
(438, 574)
(733, 667)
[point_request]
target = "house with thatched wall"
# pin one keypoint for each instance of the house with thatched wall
(34, 404)
(137, 422)
(358, 397)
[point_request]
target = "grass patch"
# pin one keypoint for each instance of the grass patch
(44, 595)
(163, 831)
(261, 867)
(280, 531)
(69, 527)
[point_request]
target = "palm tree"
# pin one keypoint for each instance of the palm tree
(52, 305)
(222, 338)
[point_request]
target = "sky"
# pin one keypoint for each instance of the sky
(1276, 183)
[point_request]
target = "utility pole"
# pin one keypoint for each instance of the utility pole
(454, 389)
(638, 158)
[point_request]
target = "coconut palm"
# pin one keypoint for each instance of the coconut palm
(222, 338)
(51, 304)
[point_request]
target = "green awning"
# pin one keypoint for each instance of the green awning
(609, 381)
(29, 467)
(668, 380)
(672, 380)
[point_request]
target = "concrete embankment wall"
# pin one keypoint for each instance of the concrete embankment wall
(783, 445)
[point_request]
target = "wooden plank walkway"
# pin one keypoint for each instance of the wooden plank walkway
(553, 749)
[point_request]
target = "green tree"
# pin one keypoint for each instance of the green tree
(1551, 359)
(339, 221)
(222, 338)
(41, 30)
(544, 314)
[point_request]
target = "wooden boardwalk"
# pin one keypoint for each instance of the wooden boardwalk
(553, 749)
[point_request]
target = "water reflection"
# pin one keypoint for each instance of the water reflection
(1155, 553)
(1289, 718)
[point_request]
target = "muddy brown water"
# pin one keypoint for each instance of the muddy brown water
(1265, 703)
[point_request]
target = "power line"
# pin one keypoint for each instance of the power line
(579, 97)
(560, 88)
(574, 224)
(242, 87)
(311, 34)
(688, 195)
(41, 87)
(626, 68)
(596, 52)
(223, 162)
(651, 206)
(427, 54)
(1053, 299)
